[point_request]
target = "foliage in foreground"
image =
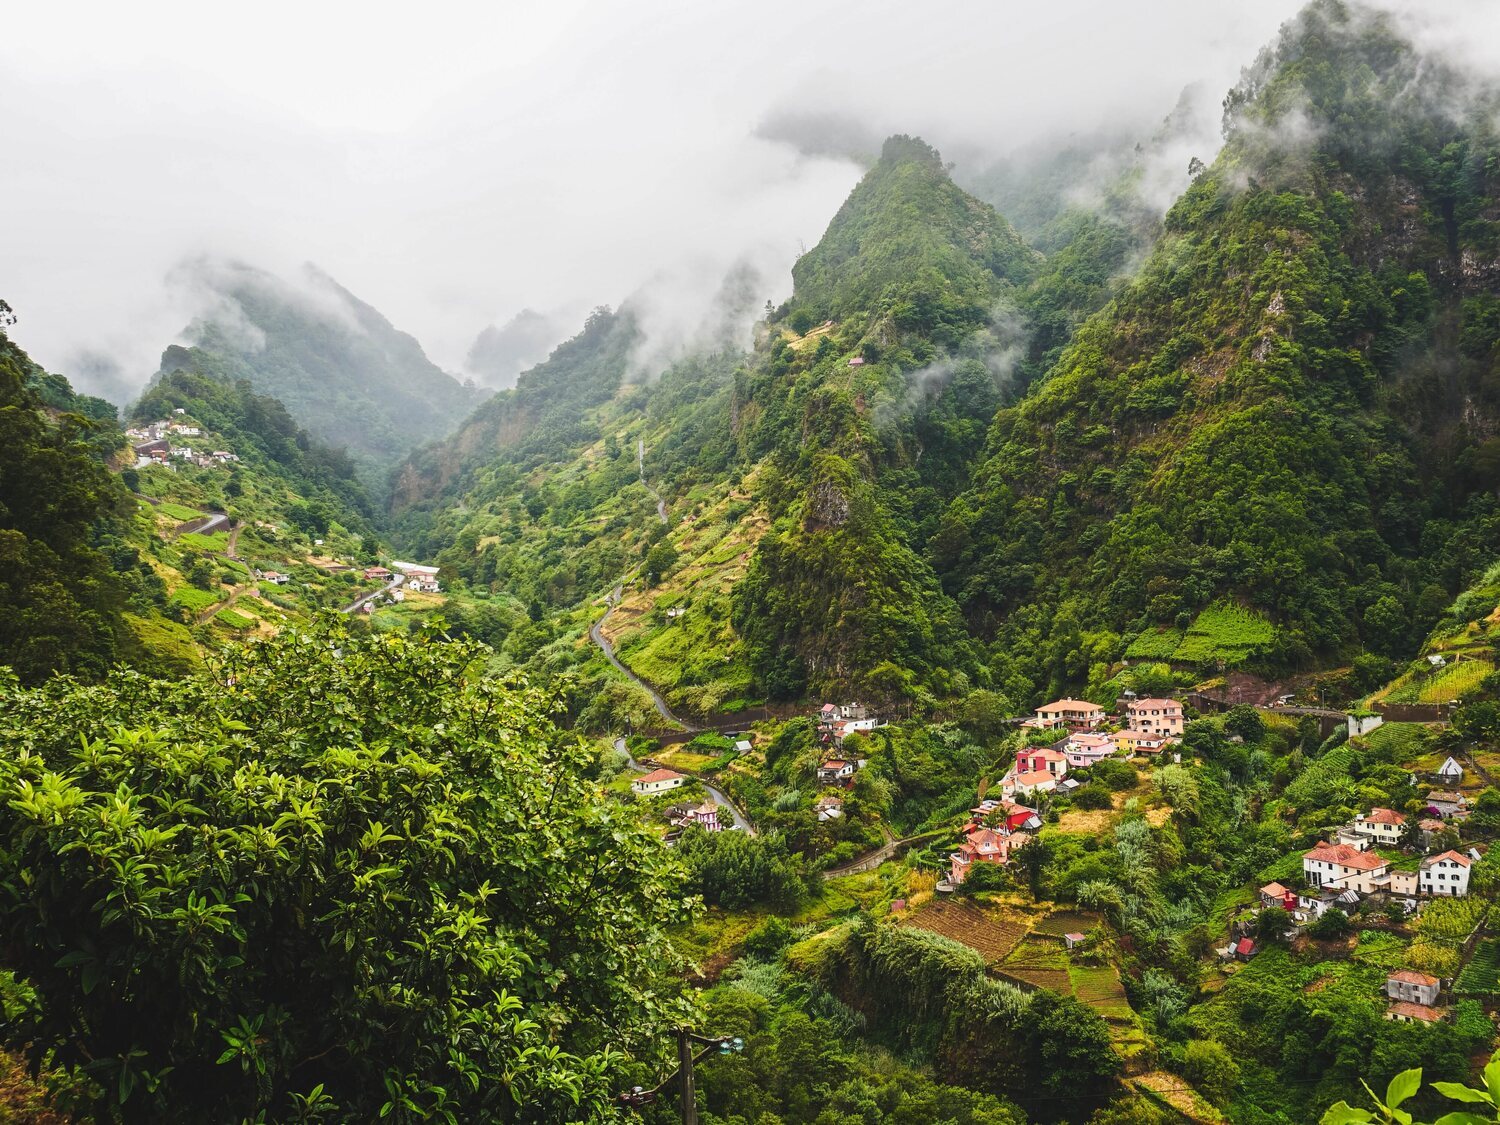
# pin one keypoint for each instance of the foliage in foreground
(335, 878)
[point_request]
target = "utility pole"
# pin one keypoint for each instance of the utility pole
(687, 1095)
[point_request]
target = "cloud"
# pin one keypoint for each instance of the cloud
(455, 165)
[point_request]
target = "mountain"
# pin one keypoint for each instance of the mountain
(799, 481)
(501, 352)
(66, 575)
(345, 373)
(1283, 427)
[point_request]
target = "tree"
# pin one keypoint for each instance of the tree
(1333, 924)
(1272, 926)
(351, 872)
(659, 560)
(801, 321)
(1208, 1065)
(1244, 721)
(1032, 859)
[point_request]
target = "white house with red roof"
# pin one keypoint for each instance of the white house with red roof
(1445, 874)
(1343, 867)
(1155, 716)
(1413, 987)
(657, 781)
(837, 770)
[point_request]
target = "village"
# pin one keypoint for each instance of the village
(153, 444)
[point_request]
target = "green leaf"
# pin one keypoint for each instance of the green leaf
(1402, 1087)
(1342, 1113)
(1461, 1093)
(1461, 1118)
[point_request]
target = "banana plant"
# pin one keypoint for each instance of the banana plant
(1403, 1087)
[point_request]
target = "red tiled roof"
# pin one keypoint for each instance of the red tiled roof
(834, 764)
(1244, 946)
(1384, 816)
(1415, 1011)
(1158, 704)
(659, 775)
(1030, 778)
(1068, 705)
(1275, 890)
(1463, 859)
(1411, 976)
(1345, 856)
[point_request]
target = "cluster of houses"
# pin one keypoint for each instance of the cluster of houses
(415, 577)
(836, 722)
(152, 444)
(1348, 862)
(1088, 734)
(996, 829)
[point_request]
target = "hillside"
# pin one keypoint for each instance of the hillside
(1288, 412)
(349, 377)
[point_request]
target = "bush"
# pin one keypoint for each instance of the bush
(1093, 796)
(1114, 773)
(1334, 924)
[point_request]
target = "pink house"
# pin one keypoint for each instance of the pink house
(1042, 759)
(984, 845)
(1086, 748)
(1155, 716)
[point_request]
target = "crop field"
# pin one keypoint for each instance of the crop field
(178, 512)
(1406, 739)
(1099, 987)
(1482, 974)
(969, 924)
(1061, 922)
(1041, 962)
(218, 541)
(1156, 645)
(1453, 682)
(193, 599)
(232, 620)
(1225, 632)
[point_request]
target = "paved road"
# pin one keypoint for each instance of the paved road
(640, 460)
(204, 525)
(596, 634)
(720, 798)
(395, 581)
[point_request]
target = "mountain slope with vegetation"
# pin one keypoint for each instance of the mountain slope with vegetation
(1289, 407)
(342, 370)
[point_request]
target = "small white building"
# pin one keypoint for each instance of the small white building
(422, 579)
(1445, 874)
(657, 781)
(1450, 772)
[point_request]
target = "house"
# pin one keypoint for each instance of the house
(1437, 660)
(1274, 894)
(857, 361)
(843, 728)
(835, 771)
(1073, 941)
(1008, 814)
(1383, 826)
(1244, 949)
(1139, 742)
(1429, 825)
(742, 746)
(1155, 716)
(1403, 883)
(1406, 1012)
(423, 579)
(223, 456)
(276, 578)
(1030, 781)
(150, 448)
(1086, 748)
(829, 808)
(1413, 987)
(657, 781)
(1342, 867)
(181, 452)
(1445, 874)
(1069, 712)
(1042, 759)
(180, 410)
(1450, 772)
(373, 572)
(1448, 802)
(983, 845)
(705, 816)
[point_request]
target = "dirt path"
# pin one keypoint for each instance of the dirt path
(395, 581)
(231, 549)
(596, 634)
(252, 591)
(640, 460)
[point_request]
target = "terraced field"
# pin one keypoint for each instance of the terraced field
(993, 937)
(1041, 962)
(1061, 922)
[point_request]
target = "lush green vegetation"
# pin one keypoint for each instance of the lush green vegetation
(271, 893)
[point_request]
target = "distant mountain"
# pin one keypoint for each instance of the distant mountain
(345, 373)
(1291, 414)
(501, 352)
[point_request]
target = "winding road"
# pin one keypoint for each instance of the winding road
(640, 460)
(396, 580)
(719, 797)
(596, 634)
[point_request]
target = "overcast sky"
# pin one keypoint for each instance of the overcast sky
(452, 163)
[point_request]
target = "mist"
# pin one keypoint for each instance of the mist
(458, 165)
